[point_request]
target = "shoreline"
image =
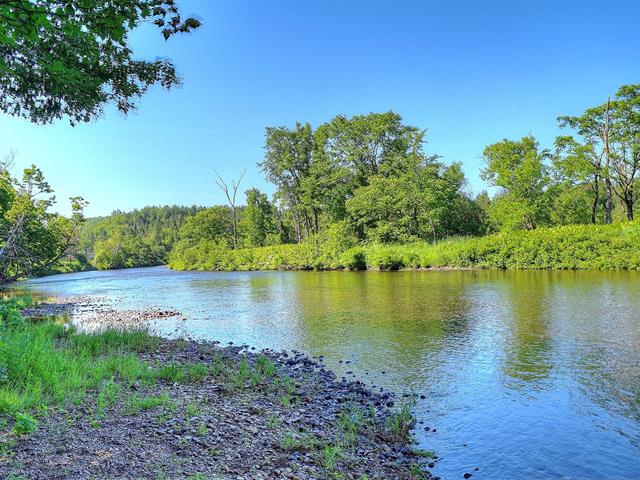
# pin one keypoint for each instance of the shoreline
(226, 413)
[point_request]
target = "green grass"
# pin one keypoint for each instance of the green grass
(46, 364)
(109, 394)
(135, 403)
(398, 424)
(181, 373)
(590, 247)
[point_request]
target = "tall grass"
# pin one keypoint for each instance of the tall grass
(594, 247)
(46, 363)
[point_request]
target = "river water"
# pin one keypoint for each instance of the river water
(524, 374)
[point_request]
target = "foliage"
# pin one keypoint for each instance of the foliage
(70, 58)
(32, 238)
(24, 424)
(518, 168)
(367, 181)
(568, 247)
(213, 223)
(258, 222)
(610, 148)
(134, 239)
(412, 205)
(369, 169)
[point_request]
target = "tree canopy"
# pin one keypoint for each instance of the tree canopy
(71, 57)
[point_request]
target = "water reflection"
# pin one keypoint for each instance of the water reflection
(528, 355)
(525, 374)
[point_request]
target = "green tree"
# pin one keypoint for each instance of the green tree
(519, 169)
(70, 58)
(213, 223)
(612, 131)
(625, 144)
(424, 202)
(372, 144)
(31, 237)
(288, 160)
(576, 165)
(258, 219)
(138, 238)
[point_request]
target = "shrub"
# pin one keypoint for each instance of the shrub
(568, 247)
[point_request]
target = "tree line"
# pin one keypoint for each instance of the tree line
(366, 179)
(370, 177)
(138, 238)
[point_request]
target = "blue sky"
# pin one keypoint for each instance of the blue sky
(472, 73)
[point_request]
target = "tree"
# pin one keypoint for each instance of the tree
(70, 58)
(32, 238)
(625, 144)
(213, 223)
(425, 202)
(519, 169)
(287, 162)
(612, 131)
(577, 164)
(138, 238)
(258, 218)
(230, 192)
(377, 143)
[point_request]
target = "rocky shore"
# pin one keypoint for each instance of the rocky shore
(223, 413)
(93, 313)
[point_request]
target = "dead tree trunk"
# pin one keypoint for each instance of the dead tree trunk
(230, 193)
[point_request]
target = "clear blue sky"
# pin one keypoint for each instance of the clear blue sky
(471, 73)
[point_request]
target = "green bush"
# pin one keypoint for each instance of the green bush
(596, 247)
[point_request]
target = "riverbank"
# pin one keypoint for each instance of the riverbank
(576, 247)
(127, 404)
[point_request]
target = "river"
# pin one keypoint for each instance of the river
(524, 374)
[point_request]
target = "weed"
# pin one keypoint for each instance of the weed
(109, 393)
(198, 476)
(292, 441)
(24, 424)
(273, 421)
(135, 403)
(202, 430)
(265, 366)
(192, 410)
(330, 456)
(398, 424)
(195, 372)
(424, 453)
(171, 372)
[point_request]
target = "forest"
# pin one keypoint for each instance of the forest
(367, 183)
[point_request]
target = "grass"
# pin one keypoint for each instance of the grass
(398, 425)
(292, 441)
(108, 396)
(182, 373)
(135, 403)
(46, 364)
(43, 364)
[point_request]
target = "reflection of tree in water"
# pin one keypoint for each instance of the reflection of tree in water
(606, 346)
(528, 351)
(384, 320)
